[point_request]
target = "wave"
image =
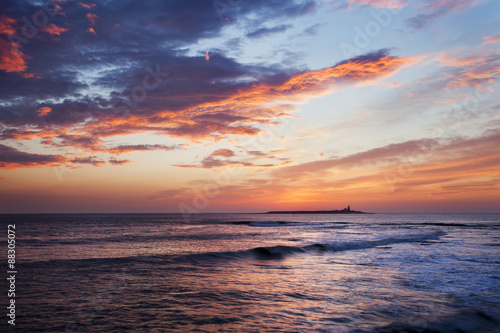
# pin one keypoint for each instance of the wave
(282, 251)
(277, 252)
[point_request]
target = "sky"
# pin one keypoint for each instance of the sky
(249, 106)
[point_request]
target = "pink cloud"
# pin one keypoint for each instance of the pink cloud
(390, 4)
(471, 70)
(493, 39)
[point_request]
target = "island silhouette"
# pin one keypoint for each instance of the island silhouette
(347, 210)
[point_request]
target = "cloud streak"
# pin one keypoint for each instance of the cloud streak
(434, 9)
(11, 158)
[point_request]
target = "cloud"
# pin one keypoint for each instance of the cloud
(87, 160)
(263, 32)
(476, 69)
(11, 158)
(390, 4)
(411, 164)
(493, 39)
(445, 101)
(122, 149)
(223, 152)
(12, 58)
(134, 80)
(313, 29)
(54, 29)
(194, 111)
(88, 6)
(92, 18)
(256, 153)
(431, 10)
(119, 162)
(211, 162)
(75, 141)
(44, 110)
(376, 156)
(7, 25)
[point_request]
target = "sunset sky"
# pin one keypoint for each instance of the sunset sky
(249, 106)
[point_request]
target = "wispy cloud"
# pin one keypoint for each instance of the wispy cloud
(492, 39)
(262, 32)
(434, 9)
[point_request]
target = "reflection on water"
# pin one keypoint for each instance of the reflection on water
(240, 273)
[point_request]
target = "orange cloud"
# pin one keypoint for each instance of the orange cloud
(88, 6)
(249, 103)
(44, 111)
(92, 17)
(91, 30)
(206, 56)
(409, 174)
(7, 25)
(223, 152)
(414, 168)
(54, 29)
(12, 59)
(235, 113)
(360, 69)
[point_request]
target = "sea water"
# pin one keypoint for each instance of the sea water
(256, 273)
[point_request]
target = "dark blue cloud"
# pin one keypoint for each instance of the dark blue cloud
(262, 32)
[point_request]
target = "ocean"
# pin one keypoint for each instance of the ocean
(255, 273)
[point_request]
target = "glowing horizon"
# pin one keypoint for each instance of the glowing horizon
(234, 106)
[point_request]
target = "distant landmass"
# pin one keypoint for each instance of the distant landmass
(347, 210)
